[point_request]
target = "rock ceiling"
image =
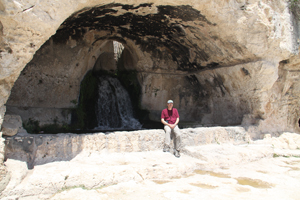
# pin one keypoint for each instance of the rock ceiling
(178, 31)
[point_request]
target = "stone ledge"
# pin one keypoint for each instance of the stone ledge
(37, 149)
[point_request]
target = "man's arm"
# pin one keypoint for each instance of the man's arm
(177, 121)
(163, 121)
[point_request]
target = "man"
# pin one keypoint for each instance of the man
(170, 118)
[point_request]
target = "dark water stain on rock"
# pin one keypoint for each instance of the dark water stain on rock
(158, 29)
(254, 183)
(160, 181)
(215, 174)
(204, 186)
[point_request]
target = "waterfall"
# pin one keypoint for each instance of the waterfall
(114, 109)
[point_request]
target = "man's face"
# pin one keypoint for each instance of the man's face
(170, 106)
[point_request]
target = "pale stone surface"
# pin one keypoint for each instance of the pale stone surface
(37, 149)
(226, 155)
(286, 141)
(4, 178)
(17, 170)
(4, 175)
(256, 170)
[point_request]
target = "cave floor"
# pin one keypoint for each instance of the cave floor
(214, 171)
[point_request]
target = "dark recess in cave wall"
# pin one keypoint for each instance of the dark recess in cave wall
(84, 116)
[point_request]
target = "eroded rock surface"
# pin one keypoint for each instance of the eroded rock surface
(37, 149)
(267, 169)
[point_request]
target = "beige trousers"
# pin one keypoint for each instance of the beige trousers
(177, 139)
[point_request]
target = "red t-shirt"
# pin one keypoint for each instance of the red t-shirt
(170, 115)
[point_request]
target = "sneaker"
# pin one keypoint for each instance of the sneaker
(177, 154)
(166, 149)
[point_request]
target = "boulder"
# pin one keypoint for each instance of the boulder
(12, 124)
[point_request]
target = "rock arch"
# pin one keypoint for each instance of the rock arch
(192, 44)
(49, 85)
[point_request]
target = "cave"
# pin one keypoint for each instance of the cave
(166, 54)
(107, 99)
(216, 74)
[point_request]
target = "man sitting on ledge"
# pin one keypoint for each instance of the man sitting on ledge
(170, 118)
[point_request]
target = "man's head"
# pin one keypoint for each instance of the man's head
(170, 104)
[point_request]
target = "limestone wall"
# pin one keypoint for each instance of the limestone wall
(37, 149)
(49, 85)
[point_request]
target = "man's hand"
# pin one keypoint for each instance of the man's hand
(172, 126)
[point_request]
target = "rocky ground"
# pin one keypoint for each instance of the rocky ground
(261, 169)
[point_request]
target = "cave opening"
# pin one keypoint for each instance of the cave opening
(108, 91)
(166, 52)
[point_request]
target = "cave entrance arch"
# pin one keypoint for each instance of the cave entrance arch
(173, 48)
(108, 90)
(47, 90)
